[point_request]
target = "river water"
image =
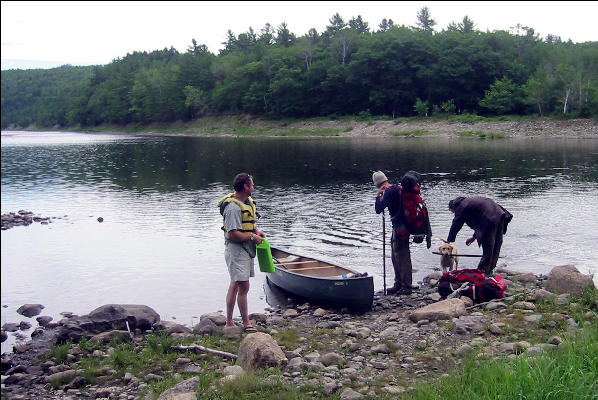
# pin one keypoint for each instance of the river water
(160, 242)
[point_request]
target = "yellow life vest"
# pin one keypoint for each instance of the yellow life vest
(248, 212)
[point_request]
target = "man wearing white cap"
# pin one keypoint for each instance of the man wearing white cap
(390, 196)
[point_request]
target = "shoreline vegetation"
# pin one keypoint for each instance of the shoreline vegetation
(360, 127)
(539, 341)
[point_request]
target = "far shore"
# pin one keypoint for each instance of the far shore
(466, 126)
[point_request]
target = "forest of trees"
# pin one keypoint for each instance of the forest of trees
(349, 69)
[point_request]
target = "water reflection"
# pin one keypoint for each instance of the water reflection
(160, 243)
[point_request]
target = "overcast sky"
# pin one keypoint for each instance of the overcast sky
(48, 34)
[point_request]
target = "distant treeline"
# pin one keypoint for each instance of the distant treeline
(349, 69)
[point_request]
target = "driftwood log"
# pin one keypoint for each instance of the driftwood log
(197, 348)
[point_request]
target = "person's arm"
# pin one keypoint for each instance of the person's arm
(234, 224)
(455, 228)
(238, 236)
(428, 232)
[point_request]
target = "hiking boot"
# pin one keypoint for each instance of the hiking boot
(393, 290)
(403, 291)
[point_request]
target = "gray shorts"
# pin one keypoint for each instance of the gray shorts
(240, 265)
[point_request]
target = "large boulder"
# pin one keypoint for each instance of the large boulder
(106, 318)
(30, 310)
(260, 350)
(567, 279)
(445, 309)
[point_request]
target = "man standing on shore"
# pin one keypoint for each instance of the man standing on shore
(391, 197)
(489, 222)
(240, 238)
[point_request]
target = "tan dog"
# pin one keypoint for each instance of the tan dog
(448, 258)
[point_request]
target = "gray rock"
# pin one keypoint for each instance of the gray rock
(258, 317)
(541, 294)
(14, 379)
(24, 325)
(216, 317)
(290, 313)
(567, 279)
(30, 310)
(391, 332)
(153, 377)
(393, 390)
(172, 327)
(330, 387)
(525, 305)
(185, 390)
(332, 358)
(208, 327)
(313, 356)
(381, 348)
(10, 327)
(563, 299)
(497, 328)
(470, 324)
(192, 369)
(363, 332)
(350, 394)
(106, 318)
(44, 320)
(182, 361)
(533, 318)
(106, 337)
(62, 377)
(234, 370)
(232, 332)
(319, 312)
(260, 350)
(297, 364)
(445, 309)
(464, 349)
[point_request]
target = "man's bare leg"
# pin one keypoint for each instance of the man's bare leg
(231, 297)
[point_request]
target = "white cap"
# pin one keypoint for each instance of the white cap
(379, 178)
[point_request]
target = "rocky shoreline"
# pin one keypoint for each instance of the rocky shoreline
(402, 341)
(23, 218)
(247, 125)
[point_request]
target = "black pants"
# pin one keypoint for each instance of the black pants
(401, 261)
(491, 244)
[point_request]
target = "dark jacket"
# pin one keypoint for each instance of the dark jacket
(391, 199)
(479, 213)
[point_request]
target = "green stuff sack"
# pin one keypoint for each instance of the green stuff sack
(264, 256)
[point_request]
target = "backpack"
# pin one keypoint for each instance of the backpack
(415, 211)
(493, 287)
(473, 283)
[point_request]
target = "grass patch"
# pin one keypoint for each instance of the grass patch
(288, 338)
(262, 385)
(567, 373)
(59, 352)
